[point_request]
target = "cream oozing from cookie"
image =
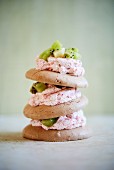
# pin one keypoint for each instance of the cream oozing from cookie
(61, 65)
(74, 120)
(53, 96)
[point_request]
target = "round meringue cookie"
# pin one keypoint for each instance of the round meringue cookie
(51, 77)
(40, 134)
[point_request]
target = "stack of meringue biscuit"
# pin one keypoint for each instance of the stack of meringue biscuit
(56, 103)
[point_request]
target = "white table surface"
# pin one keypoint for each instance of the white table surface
(95, 153)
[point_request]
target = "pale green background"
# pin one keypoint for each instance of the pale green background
(27, 27)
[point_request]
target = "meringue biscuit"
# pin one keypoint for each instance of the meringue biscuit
(46, 112)
(38, 133)
(56, 78)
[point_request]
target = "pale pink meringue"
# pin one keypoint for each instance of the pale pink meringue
(61, 65)
(53, 96)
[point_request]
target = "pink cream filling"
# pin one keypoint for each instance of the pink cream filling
(53, 96)
(61, 65)
(74, 120)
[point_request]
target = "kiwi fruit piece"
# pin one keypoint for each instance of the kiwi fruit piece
(37, 87)
(56, 46)
(59, 53)
(49, 122)
(45, 54)
(72, 53)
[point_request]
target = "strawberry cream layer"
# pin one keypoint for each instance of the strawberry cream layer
(53, 96)
(77, 119)
(61, 65)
